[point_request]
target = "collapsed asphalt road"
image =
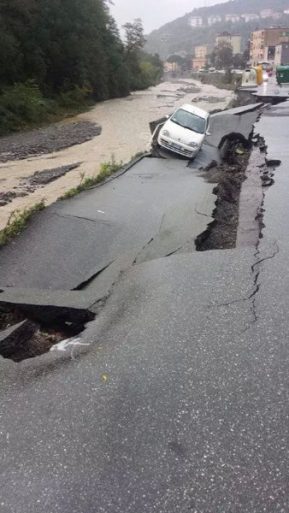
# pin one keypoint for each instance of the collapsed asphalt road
(175, 397)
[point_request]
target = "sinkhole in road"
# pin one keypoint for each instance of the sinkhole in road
(23, 337)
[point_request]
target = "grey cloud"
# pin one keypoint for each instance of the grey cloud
(154, 13)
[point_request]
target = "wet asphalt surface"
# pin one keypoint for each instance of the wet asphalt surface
(177, 399)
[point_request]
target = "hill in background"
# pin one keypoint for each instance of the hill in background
(180, 37)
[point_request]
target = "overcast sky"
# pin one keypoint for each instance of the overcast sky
(154, 13)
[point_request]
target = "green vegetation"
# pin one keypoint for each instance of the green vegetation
(106, 170)
(18, 222)
(58, 56)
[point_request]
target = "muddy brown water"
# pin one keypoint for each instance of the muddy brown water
(125, 132)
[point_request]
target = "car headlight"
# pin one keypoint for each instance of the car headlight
(193, 145)
(166, 133)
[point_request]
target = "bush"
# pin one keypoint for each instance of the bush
(18, 222)
(75, 98)
(22, 105)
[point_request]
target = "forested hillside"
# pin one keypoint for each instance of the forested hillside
(61, 52)
(179, 36)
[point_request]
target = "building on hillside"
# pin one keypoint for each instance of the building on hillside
(266, 38)
(282, 54)
(233, 18)
(277, 15)
(212, 20)
(266, 13)
(250, 17)
(196, 21)
(171, 67)
(234, 40)
(201, 57)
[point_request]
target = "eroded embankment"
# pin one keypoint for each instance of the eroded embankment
(229, 177)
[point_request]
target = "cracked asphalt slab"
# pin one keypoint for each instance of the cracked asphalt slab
(73, 240)
(175, 398)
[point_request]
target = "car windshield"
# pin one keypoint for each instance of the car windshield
(189, 120)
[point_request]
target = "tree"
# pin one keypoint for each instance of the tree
(239, 61)
(177, 59)
(222, 56)
(67, 49)
(138, 71)
(134, 36)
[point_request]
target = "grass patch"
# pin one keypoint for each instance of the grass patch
(18, 222)
(106, 170)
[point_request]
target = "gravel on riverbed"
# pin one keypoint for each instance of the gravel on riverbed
(30, 184)
(53, 138)
(49, 175)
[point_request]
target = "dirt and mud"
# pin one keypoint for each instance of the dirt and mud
(229, 177)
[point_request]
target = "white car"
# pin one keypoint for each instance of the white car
(184, 132)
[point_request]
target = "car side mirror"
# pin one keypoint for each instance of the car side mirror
(167, 116)
(208, 133)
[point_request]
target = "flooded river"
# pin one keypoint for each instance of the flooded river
(125, 131)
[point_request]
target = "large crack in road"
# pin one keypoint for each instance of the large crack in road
(178, 213)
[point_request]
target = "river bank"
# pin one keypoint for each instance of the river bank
(114, 129)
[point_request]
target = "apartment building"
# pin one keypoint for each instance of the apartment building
(264, 41)
(230, 39)
(233, 18)
(196, 21)
(266, 13)
(201, 57)
(282, 54)
(212, 20)
(250, 17)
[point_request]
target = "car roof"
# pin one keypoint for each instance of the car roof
(194, 110)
